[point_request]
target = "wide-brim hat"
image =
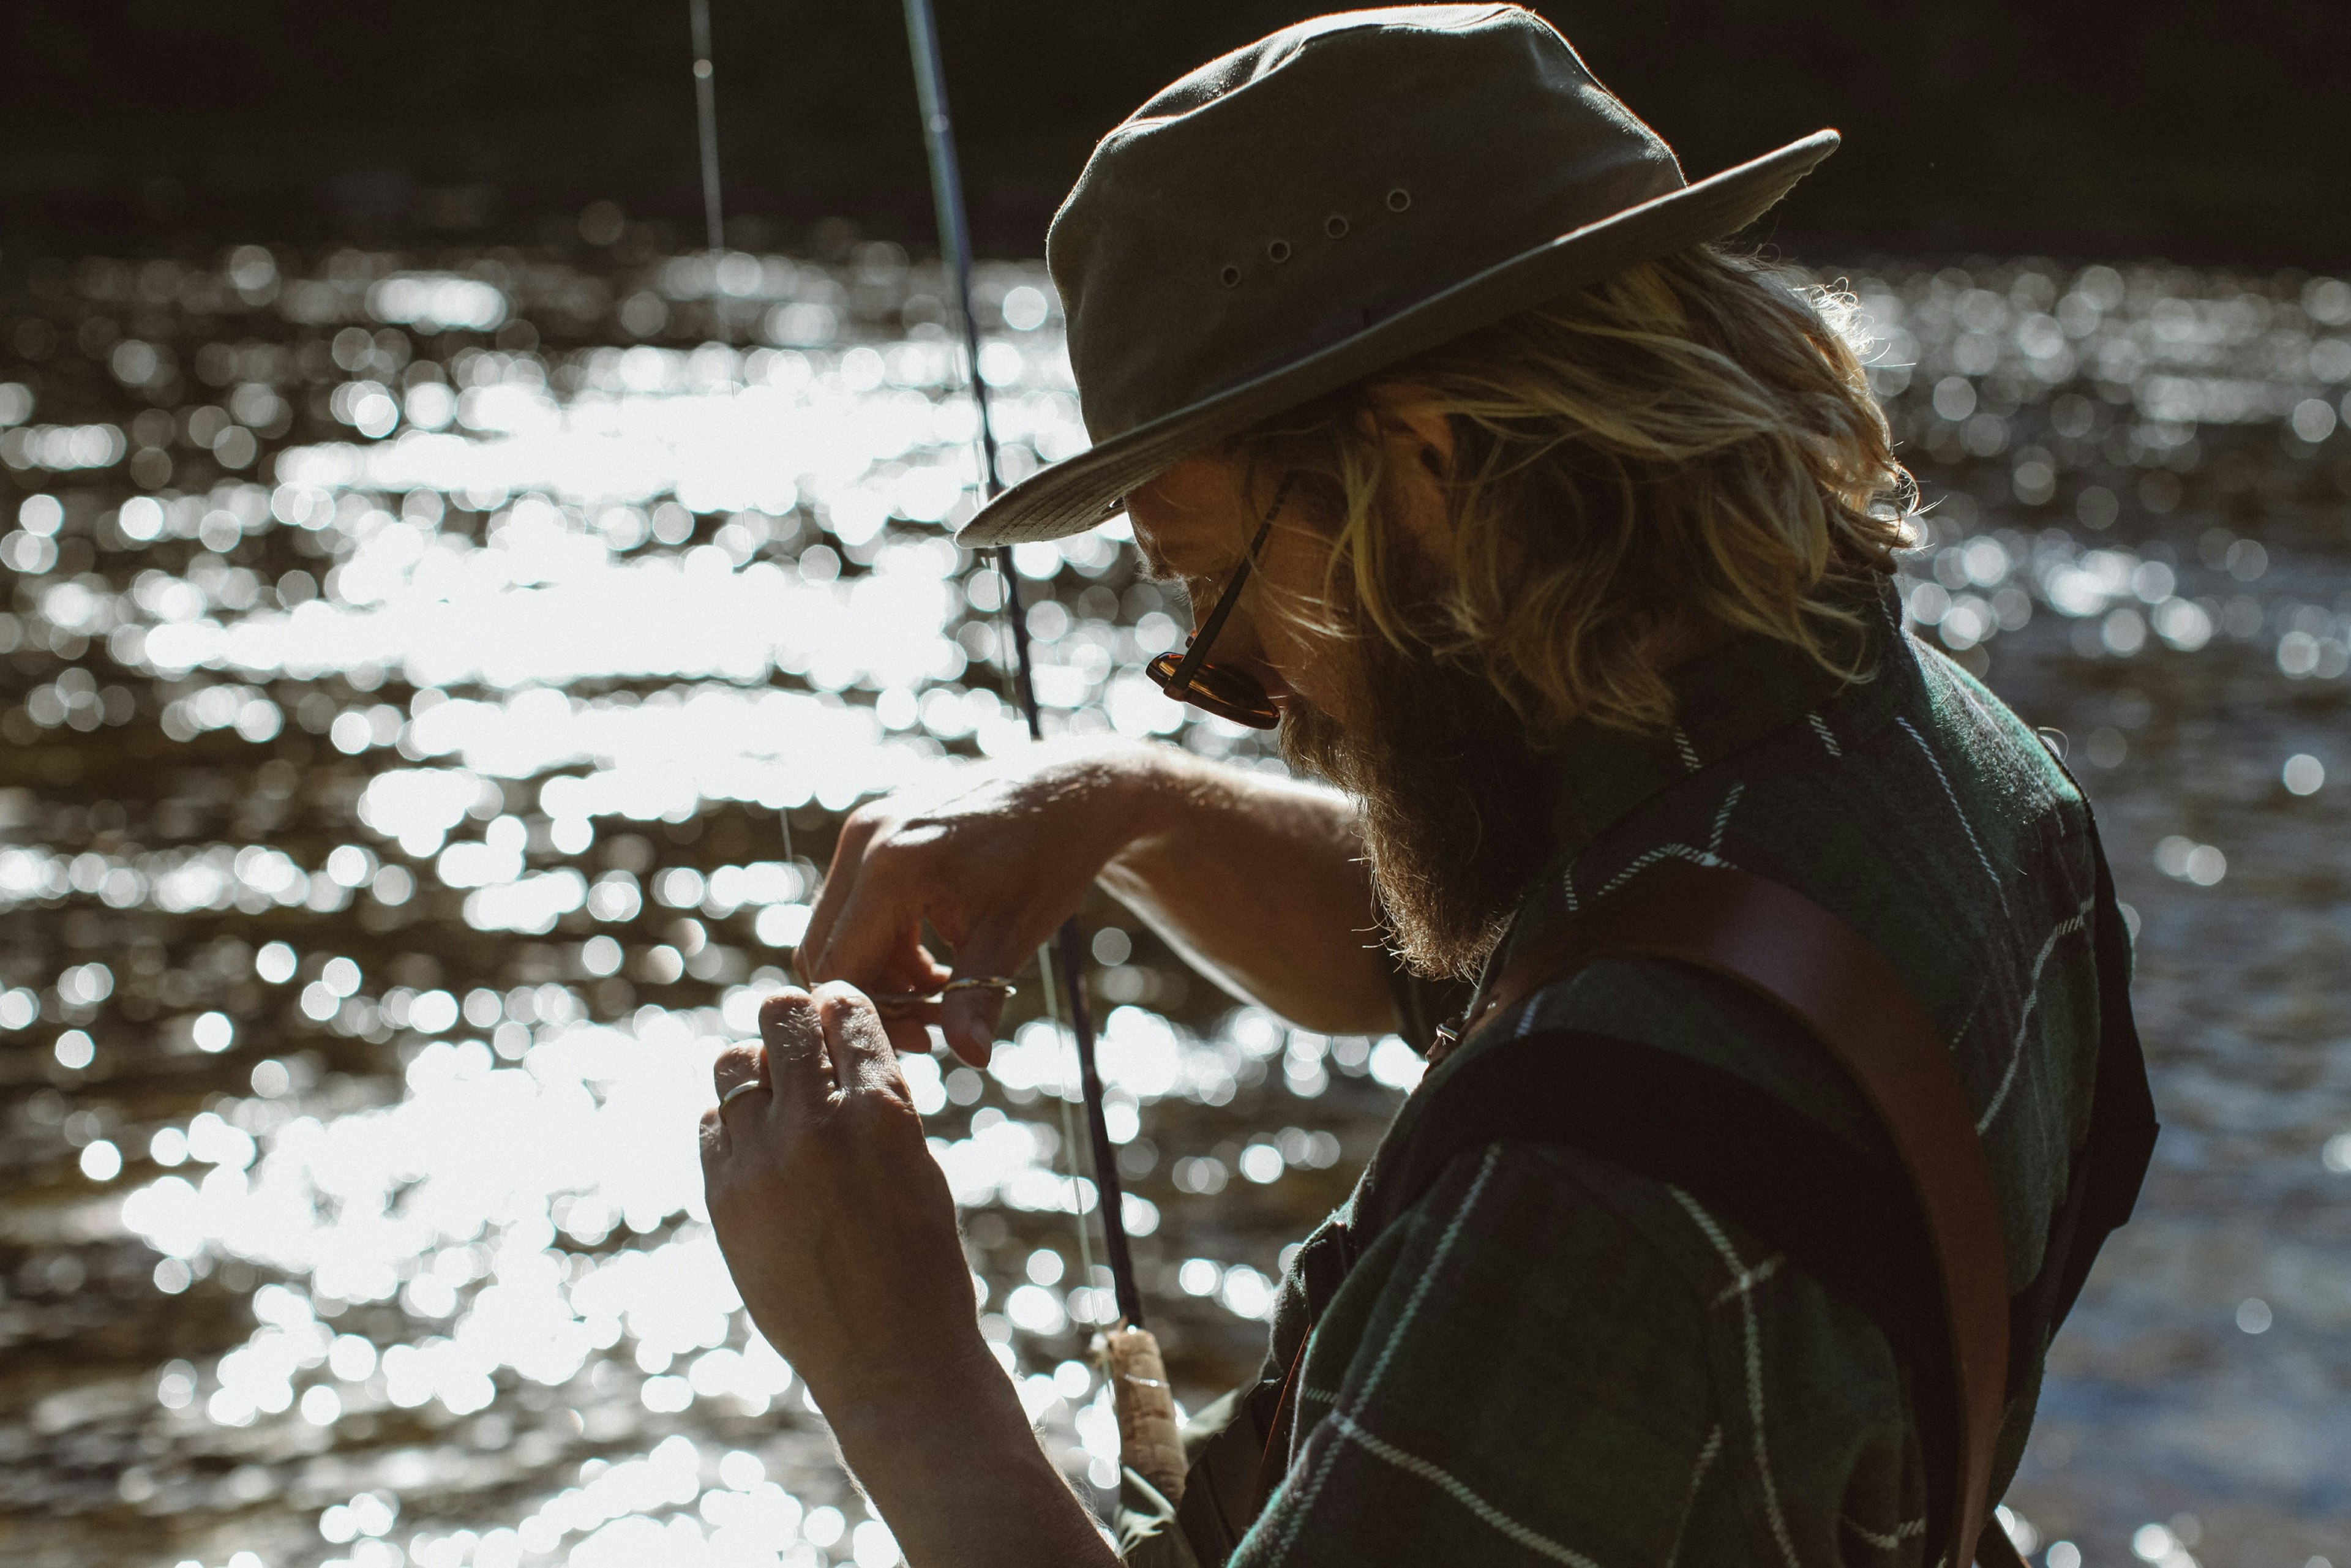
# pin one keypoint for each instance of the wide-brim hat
(1329, 201)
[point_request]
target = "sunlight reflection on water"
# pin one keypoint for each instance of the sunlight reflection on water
(419, 816)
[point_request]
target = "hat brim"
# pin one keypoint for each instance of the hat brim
(1080, 492)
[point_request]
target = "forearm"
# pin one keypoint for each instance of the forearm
(1260, 883)
(958, 1475)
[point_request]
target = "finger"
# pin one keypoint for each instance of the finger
(714, 1146)
(927, 1013)
(799, 1073)
(911, 1030)
(840, 881)
(862, 1055)
(738, 1066)
(876, 939)
(922, 975)
(968, 1018)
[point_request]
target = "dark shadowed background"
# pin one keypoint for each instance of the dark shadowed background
(2180, 127)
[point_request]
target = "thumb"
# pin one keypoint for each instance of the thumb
(969, 1020)
(968, 1016)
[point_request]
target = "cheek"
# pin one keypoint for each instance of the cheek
(1319, 669)
(1312, 663)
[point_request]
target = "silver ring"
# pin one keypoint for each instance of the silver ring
(738, 1092)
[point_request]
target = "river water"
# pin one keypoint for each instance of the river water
(431, 684)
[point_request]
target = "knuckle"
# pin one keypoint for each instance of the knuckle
(835, 997)
(784, 1006)
(879, 1107)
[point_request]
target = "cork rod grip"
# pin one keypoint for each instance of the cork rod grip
(1150, 1443)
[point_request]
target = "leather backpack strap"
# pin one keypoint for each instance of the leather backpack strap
(1777, 943)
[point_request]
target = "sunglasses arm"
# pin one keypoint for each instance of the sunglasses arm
(1179, 681)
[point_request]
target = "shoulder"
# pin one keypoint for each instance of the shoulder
(1924, 813)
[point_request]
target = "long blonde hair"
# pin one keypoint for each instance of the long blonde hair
(1687, 445)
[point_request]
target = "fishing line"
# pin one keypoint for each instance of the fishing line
(955, 241)
(1068, 1130)
(714, 224)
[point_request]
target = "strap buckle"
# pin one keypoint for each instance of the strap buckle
(1446, 1037)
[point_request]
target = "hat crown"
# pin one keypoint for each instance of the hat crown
(1294, 192)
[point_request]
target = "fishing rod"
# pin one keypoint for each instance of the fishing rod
(955, 242)
(705, 120)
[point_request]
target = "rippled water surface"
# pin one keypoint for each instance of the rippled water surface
(429, 690)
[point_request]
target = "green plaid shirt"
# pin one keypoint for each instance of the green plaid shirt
(1548, 1359)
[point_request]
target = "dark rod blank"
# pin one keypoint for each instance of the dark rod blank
(954, 240)
(705, 108)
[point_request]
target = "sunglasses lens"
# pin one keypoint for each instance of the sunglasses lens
(1225, 693)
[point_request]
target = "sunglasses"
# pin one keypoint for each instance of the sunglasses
(1219, 689)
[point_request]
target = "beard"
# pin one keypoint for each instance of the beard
(1454, 800)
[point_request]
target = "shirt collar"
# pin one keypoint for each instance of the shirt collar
(1725, 700)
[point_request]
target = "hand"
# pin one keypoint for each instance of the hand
(840, 1231)
(994, 866)
(835, 1221)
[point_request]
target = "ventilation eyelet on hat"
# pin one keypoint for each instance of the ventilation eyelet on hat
(1399, 199)
(1335, 226)
(1278, 250)
(1232, 275)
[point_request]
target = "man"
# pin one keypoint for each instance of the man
(1559, 540)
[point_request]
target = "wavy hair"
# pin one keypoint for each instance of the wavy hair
(1686, 445)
